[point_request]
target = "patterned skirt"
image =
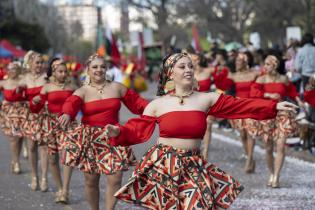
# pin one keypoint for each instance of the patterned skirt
(53, 134)
(33, 126)
(238, 124)
(13, 115)
(283, 126)
(170, 178)
(87, 149)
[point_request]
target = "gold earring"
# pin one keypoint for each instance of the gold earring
(169, 86)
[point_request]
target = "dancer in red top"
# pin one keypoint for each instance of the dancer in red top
(241, 80)
(309, 93)
(86, 146)
(13, 113)
(173, 174)
(275, 86)
(33, 82)
(202, 74)
(55, 93)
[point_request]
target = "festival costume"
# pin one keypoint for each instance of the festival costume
(33, 124)
(309, 97)
(13, 112)
(284, 125)
(172, 178)
(86, 146)
(204, 85)
(51, 132)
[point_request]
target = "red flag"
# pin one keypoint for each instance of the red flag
(195, 38)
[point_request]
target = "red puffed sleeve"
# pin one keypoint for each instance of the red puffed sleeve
(309, 97)
(292, 92)
(256, 90)
(135, 131)
(134, 102)
(35, 108)
(72, 106)
(240, 108)
(221, 79)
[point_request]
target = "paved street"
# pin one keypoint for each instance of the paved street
(297, 180)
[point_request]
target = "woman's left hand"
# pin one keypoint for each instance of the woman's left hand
(287, 106)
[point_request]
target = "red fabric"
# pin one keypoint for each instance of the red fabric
(241, 108)
(183, 124)
(56, 99)
(101, 112)
(256, 90)
(135, 131)
(12, 95)
(221, 79)
(292, 91)
(30, 93)
(134, 102)
(204, 85)
(9, 46)
(242, 89)
(35, 108)
(309, 97)
(72, 106)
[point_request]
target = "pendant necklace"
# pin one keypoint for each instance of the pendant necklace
(181, 97)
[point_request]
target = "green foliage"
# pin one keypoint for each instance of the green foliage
(28, 36)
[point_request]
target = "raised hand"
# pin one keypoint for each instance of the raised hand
(287, 106)
(64, 120)
(111, 131)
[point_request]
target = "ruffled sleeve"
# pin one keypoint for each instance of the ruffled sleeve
(134, 102)
(240, 108)
(292, 92)
(309, 97)
(72, 106)
(221, 79)
(135, 131)
(256, 90)
(35, 108)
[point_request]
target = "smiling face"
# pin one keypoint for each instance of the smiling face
(37, 64)
(97, 70)
(183, 71)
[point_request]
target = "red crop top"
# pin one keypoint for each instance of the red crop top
(258, 90)
(12, 95)
(309, 97)
(104, 111)
(242, 89)
(204, 85)
(192, 124)
(55, 101)
(30, 93)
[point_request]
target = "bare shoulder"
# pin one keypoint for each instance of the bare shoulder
(151, 108)
(81, 91)
(261, 79)
(284, 79)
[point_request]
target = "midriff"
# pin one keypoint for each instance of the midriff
(186, 144)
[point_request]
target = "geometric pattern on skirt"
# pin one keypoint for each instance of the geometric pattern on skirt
(33, 126)
(87, 149)
(53, 134)
(171, 178)
(238, 124)
(282, 126)
(13, 115)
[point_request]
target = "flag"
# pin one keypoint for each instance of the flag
(195, 38)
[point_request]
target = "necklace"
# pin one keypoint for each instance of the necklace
(62, 85)
(99, 89)
(181, 97)
(35, 77)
